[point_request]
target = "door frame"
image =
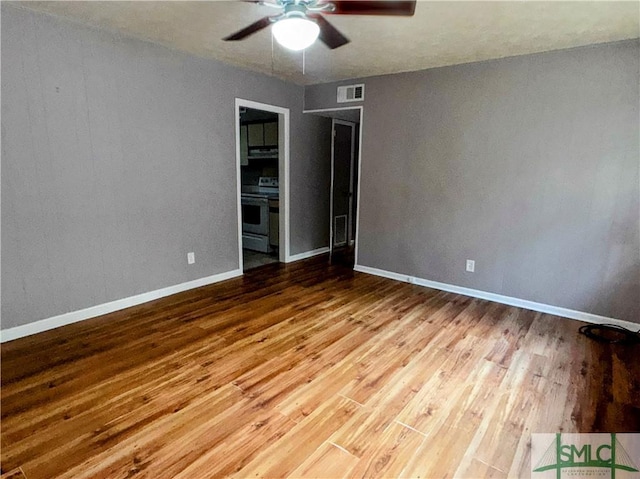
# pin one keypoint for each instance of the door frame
(358, 187)
(284, 253)
(334, 122)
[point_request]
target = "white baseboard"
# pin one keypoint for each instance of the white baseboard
(498, 298)
(308, 254)
(82, 314)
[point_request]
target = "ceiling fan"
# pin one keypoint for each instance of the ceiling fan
(300, 22)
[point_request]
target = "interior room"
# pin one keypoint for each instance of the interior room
(320, 238)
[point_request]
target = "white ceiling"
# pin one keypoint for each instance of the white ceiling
(439, 34)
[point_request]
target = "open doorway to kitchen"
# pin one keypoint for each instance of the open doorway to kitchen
(262, 157)
(345, 192)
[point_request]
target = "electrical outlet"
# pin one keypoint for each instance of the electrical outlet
(191, 258)
(471, 265)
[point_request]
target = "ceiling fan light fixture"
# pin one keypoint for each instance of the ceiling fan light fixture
(295, 32)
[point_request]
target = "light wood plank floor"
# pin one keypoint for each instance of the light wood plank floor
(306, 370)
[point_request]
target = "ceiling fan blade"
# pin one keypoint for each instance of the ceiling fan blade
(250, 30)
(373, 7)
(329, 34)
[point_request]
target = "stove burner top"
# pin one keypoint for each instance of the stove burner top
(267, 187)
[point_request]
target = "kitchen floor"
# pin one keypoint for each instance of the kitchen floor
(253, 259)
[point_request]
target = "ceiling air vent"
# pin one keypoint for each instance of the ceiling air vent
(351, 93)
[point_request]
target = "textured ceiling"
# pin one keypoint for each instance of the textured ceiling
(439, 34)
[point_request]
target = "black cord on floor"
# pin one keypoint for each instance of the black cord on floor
(610, 333)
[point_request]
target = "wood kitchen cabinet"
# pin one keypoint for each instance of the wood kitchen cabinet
(256, 134)
(262, 134)
(271, 134)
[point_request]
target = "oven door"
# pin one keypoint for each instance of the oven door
(255, 215)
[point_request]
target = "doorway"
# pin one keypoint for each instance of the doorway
(344, 195)
(343, 187)
(342, 184)
(262, 175)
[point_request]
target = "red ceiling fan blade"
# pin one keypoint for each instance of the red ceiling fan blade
(329, 34)
(250, 30)
(373, 7)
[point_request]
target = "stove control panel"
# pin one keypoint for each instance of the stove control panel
(268, 181)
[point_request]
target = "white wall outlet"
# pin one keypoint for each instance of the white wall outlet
(471, 265)
(191, 258)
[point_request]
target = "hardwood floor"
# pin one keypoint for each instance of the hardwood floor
(307, 370)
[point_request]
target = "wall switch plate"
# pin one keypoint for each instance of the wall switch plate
(191, 258)
(471, 265)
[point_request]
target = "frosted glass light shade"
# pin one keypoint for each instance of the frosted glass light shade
(295, 33)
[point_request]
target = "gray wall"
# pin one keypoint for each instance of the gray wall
(310, 182)
(529, 165)
(118, 158)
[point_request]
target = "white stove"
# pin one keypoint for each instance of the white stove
(255, 213)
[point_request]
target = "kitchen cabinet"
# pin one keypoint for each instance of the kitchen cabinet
(262, 134)
(271, 134)
(244, 146)
(274, 222)
(256, 134)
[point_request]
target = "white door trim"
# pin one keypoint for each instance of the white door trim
(283, 173)
(333, 142)
(340, 108)
(358, 203)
